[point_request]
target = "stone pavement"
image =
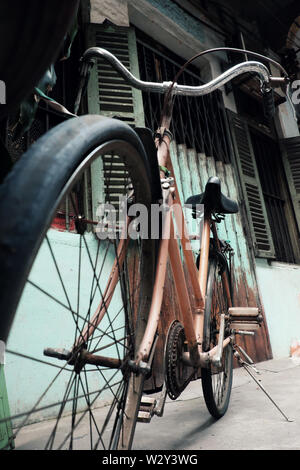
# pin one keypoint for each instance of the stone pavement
(251, 422)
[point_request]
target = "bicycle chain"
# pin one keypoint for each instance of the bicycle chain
(174, 386)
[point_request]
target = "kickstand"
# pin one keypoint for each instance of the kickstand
(250, 365)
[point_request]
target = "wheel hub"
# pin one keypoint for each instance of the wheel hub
(82, 357)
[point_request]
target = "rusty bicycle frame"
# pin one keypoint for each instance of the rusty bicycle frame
(192, 313)
(191, 303)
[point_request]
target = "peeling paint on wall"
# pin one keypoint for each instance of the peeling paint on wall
(180, 17)
(192, 171)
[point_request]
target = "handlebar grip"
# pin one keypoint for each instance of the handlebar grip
(279, 82)
(268, 103)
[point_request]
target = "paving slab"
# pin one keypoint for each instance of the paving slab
(252, 422)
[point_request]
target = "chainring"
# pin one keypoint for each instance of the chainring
(176, 373)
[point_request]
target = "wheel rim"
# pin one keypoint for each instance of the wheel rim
(94, 396)
(218, 378)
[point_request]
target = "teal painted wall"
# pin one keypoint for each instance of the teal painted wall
(192, 171)
(180, 17)
(38, 326)
(279, 285)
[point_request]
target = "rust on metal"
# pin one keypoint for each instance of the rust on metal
(103, 361)
(158, 291)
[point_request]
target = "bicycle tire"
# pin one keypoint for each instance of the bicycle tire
(216, 396)
(56, 165)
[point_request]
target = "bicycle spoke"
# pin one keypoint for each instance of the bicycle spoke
(110, 344)
(91, 417)
(74, 409)
(64, 306)
(63, 404)
(118, 421)
(87, 318)
(86, 410)
(50, 296)
(108, 417)
(78, 287)
(97, 282)
(105, 332)
(97, 290)
(107, 383)
(61, 281)
(216, 381)
(34, 409)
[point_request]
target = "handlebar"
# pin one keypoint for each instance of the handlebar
(184, 90)
(267, 81)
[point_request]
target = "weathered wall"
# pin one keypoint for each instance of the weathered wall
(164, 22)
(114, 10)
(192, 171)
(279, 284)
(39, 325)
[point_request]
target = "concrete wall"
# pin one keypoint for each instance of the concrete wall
(112, 10)
(279, 285)
(187, 37)
(42, 323)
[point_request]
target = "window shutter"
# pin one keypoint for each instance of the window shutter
(291, 160)
(252, 192)
(108, 93)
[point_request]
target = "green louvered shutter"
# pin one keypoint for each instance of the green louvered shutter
(291, 159)
(252, 192)
(108, 93)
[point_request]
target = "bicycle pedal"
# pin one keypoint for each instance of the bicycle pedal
(244, 327)
(243, 312)
(146, 410)
(245, 318)
(244, 332)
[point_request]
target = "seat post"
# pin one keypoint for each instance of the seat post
(204, 253)
(224, 277)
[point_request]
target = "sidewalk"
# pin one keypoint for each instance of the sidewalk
(251, 422)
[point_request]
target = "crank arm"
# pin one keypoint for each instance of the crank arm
(141, 366)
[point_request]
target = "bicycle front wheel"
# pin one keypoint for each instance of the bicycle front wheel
(216, 381)
(79, 287)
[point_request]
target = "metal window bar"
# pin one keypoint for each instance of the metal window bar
(198, 122)
(45, 119)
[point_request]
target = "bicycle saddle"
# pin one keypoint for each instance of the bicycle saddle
(213, 199)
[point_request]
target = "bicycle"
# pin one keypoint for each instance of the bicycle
(113, 288)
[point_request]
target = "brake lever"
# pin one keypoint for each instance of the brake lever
(284, 83)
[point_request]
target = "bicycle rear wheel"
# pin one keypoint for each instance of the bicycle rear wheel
(216, 381)
(79, 290)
